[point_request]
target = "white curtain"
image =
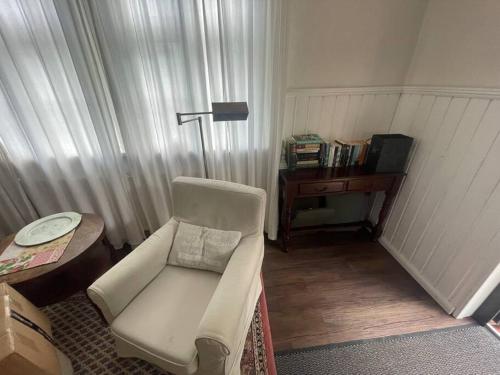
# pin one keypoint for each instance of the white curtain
(174, 56)
(62, 152)
(90, 90)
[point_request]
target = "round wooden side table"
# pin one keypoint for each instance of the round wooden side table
(87, 257)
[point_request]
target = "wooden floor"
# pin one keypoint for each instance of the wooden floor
(340, 290)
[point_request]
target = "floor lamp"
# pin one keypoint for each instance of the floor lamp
(223, 111)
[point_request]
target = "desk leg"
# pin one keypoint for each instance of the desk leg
(286, 219)
(111, 250)
(389, 198)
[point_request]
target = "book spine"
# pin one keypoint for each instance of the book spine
(307, 156)
(322, 151)
(362, 154)
(347, 153)
(309, 145)
(292, 155)
(365, 155)
(337, 158)
(327, 155)
(342, 155)
(308, 162)
(307, 150)
(355, 155)
(352, 155)
(313, 164)
(332, 155)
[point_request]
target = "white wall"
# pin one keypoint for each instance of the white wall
(444, 226)
(347, 43)
(459, 45)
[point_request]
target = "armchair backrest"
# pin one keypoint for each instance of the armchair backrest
(219, 204)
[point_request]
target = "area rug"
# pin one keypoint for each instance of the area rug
(469, 349)
(83, 336)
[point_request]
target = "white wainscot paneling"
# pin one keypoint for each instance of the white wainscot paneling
(444, 226)
(349, 113)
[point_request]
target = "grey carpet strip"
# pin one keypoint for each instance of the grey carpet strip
(469, 349)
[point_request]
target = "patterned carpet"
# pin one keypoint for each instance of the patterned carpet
(82, 335)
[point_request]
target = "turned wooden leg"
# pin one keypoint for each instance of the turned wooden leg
(389, 198)
(111, 249)
(284, 244)
(287, 223)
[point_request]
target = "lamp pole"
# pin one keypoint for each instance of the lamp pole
(200, 126)
(221, 112)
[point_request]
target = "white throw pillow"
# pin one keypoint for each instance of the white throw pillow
(203, 248)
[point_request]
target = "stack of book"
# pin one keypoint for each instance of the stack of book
(306, 151)
(348, 153)
(311, 151)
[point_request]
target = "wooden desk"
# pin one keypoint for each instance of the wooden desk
(311, 182)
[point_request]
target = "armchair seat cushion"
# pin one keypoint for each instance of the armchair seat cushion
(163, 319)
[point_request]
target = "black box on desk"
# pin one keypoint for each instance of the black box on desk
(388, 153)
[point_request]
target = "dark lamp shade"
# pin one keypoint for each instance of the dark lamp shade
(229, 111)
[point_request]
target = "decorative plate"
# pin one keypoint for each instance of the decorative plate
(47, 228)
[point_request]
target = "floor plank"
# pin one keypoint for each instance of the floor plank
(331, 289)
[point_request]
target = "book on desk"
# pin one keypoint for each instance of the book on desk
(310, 150)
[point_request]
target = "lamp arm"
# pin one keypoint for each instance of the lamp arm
(190, 120)
(180, 114)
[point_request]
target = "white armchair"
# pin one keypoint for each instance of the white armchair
(188, 321)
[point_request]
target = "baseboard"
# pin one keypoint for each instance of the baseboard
(434, 293)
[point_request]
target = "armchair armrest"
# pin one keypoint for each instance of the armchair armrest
(219, 330)
(114, 290)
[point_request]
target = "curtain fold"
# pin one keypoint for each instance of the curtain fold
(89, 91)
(15, 206)
(60, 148)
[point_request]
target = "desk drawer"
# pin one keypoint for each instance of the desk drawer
(371, 184)
(360, 185)
(322, 187)
(382, 183)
